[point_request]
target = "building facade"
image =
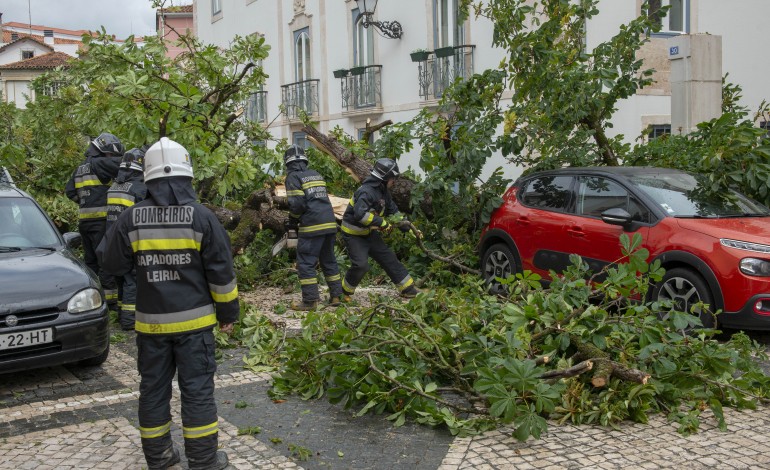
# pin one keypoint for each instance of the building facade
(171, 22)
(325, 62)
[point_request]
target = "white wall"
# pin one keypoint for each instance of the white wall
(13, 52)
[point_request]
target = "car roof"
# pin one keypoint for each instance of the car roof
(610, 170)
(8, 190)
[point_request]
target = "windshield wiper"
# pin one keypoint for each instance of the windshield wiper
(49, 248)
(9, 249)
(745, 214)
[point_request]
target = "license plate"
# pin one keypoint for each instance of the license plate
(26, 338)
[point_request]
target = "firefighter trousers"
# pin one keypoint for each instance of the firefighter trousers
(311, 251)
(360, 248)
(127, 300)
(92, 233)
(159, 357)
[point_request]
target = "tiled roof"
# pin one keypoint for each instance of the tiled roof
(34, 27)
(41, 62)
(47, 46)
(177, 9)
(38, 38)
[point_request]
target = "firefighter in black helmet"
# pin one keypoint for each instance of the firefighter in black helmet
(185, 286)
(362, 224)
(312, 215)
(127, 190)
(88, 187)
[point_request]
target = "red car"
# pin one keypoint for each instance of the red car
(715, 249)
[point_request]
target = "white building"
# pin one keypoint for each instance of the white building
(314, 41)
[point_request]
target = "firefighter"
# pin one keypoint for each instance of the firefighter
(362, 225)
(127, 190)
(312, 216)
(185, 284)
(88, 187)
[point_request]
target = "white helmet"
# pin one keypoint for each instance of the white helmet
(166, 158)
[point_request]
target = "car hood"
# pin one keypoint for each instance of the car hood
(750, 229)
(40, 279)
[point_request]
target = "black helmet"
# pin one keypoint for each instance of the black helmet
(295, 153)
(108, 144)
(385, 169)
(133, 159)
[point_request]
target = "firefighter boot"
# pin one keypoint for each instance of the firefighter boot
(172, 458)
(304, 306)
(410, 292)
(221, 462)
(337, 300)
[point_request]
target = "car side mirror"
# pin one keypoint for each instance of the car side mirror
(617, 216)
(72, 239)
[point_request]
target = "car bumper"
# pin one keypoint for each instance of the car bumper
(73, 342)
(746, 318)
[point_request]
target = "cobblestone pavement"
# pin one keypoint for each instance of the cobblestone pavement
(83, 418)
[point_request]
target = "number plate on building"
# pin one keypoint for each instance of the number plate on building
(26, 338)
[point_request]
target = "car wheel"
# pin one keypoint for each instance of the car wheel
(686, 288)
(97, 360)
(498, 261)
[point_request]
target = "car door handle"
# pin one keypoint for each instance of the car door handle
(522, 221)
(576, 232)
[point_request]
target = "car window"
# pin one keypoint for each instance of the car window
(547, 192)
(596, 194)
(22, 224)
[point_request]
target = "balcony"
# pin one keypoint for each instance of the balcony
(361, 89)
(300, 97)
(442, 68)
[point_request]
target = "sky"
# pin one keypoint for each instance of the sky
(119, 17)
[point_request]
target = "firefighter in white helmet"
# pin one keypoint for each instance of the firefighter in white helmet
(185, 286)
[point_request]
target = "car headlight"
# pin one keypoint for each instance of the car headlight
(747, 246)
(755, 267)
(85, 300)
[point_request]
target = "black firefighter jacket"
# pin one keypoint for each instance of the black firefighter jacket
(309, 201)
(89, 184)
(184, 269)
(127, 190)
(368, 207)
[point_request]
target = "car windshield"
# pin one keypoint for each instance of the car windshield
(23, 225)
(683, 195)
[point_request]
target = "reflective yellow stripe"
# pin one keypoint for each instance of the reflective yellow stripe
(233, 294)
(150, 433)
(313, 184)
(128, 307)
(367, 219)
(179, 327)
(120, 201)
(405, 283)
(295, 192)
(333, 277)
(353, 230)
(315, 228)
(94, 182)
(308, 282)
(200, 431)
(93, 215)
(165, 244)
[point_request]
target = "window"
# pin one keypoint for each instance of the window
(597, 194)
(300, 138)
(675, 20)
(302, 54)
(363, 42)
(548, 192)
(256, 106)
(216, 7)
(27, 55)
(447, 31)
(658, 130)
(766, 126)
(361, 133)
(51, 89)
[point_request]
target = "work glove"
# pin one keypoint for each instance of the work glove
(404, 226)
(385, 227)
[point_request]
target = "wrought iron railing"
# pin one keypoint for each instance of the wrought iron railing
(256, 107)
(362, 88)
(300, 96)
(436, 74)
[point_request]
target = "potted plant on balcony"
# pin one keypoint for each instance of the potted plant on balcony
(419, 55)
(445, 51)
(340, 73)
(357, 70)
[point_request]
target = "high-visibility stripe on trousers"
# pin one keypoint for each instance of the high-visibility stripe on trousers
(360, 248)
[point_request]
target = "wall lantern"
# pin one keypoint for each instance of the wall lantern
(390, 29)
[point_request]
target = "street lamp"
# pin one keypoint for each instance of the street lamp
(391, 29)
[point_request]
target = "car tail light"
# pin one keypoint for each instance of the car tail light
(762, 306)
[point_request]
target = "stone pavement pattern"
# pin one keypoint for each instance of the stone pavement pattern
(84, 418)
